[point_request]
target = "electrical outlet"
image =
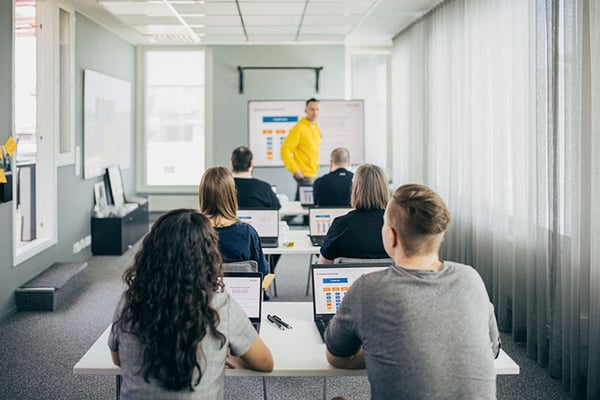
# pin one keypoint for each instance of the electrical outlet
(76, 247)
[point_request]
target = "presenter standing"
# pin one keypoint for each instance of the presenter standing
(300, 149)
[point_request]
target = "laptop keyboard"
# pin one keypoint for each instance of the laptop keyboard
(322, 325)
(317, 240)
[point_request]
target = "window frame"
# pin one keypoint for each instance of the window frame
(67, 157)
(141, 162)
(46, 177)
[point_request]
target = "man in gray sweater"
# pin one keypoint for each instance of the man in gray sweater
(424, 329)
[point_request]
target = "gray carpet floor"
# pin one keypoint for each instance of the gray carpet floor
(39, 349)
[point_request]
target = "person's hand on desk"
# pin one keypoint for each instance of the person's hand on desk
(357, 361)
(258, 357)
(298, 175)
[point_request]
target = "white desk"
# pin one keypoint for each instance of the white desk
(296, 352)
(291, 209)
(302, 244)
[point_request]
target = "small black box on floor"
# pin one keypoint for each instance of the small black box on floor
(50, 288)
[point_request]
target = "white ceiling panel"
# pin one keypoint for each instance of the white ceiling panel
(141, 20)
(219, 30)
(271, 20)
(162, 29)
(223, 8)
(331, 8)
(137, 8)
(272, 38)
(321, 38)
(279, 8)
(272, 30)
(332, 20)
(326, 29)
(213, 20)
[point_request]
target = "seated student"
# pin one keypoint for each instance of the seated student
(358, 233)
(333, 189)
(238, 240)
(425, 328)
(251, 192)
(174, 324)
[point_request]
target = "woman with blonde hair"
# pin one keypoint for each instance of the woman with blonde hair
(238, 241)
(358, 233)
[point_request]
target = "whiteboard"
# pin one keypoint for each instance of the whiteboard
(106, 123)
(341, 123)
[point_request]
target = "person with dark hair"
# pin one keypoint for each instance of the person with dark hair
(238, 240)
(358, 233)
(300, 149)
(424, 328)
(174, 324)
(251, 192)
(334, 188)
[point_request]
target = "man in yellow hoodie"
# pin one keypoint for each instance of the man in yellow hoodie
(300, 149)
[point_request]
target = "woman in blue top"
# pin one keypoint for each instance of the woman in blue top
(358, 233)
(238, 241)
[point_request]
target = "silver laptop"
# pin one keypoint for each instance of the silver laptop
(245, 288)
(319, 221)
(305, 193)
(330, 285)
(266, 223)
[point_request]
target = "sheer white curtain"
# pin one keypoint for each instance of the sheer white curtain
(492, 108)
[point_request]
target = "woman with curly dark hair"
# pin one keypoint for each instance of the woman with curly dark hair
(174, 324)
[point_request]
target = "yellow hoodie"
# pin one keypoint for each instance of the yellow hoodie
(300, 149)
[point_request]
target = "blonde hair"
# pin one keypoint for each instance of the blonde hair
(419, 216)
(217, 197)
(369, 188)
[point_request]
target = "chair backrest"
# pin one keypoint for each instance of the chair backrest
(382, 261)
(241, 266)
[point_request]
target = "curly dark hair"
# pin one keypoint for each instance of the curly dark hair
(167, 303)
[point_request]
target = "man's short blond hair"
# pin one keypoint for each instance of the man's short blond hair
(419, 217)
(340, 156)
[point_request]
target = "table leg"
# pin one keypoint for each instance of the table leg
(264, 388)
(118, 387)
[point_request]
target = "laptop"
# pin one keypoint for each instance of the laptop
(319, 221)
(245, 288)
(266, 223)
(330, 283)
(305, 193)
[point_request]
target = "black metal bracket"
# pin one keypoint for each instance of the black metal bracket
(241, 73)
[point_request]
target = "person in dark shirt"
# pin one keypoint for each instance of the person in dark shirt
(334, 189)
(358, 233)
(251, 192)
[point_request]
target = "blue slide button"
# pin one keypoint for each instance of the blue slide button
(280, 119)
(335, 280)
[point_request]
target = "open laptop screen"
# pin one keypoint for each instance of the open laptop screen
(305, 193)
(331, 283)
(320, 219)
(266, 222)
(246, 289)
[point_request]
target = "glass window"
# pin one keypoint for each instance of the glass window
(66, 134)
(174, 117)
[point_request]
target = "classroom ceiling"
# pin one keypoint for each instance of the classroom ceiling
(179, 22)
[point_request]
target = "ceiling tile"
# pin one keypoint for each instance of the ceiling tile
(326, 29)
(137, 8)
(331, 20)
(219, 30)
(321, 38)
(215, 38)
(271, 20)
(222, 8)
(279, 8)
(142, 20)
(335, 8)
(272, 30)
(213, 20)
(272, 38)
(161, 29)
